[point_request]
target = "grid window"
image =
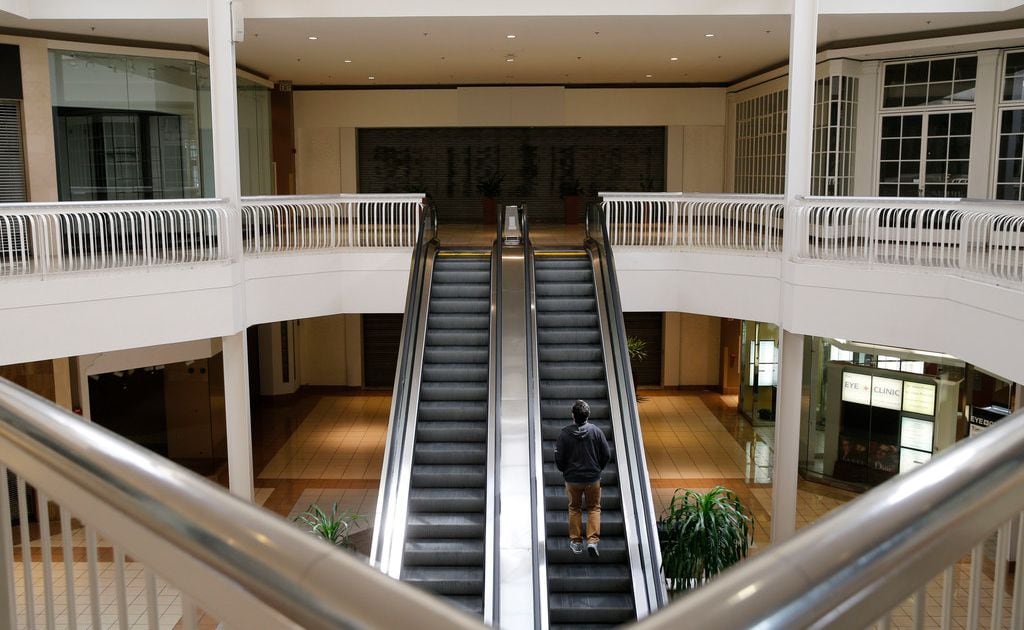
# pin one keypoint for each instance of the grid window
(1013, 77)
(947, 81)
(761, 144)
(937, 144)
(1009, 180)
(835, 115)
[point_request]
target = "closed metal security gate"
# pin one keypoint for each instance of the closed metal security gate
(12, 154)
(381, 335)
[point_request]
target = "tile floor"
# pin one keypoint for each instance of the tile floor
(325, 445)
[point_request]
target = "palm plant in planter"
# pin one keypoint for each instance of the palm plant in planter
(702, 535)
(637, 349)
(334, 528)
(490, 187)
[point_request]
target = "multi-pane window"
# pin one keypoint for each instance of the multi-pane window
(948, 81)
(761, 144)
(12, 155)
(937, 143)
(1009, 178)
(835, 116)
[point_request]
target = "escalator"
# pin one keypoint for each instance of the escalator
(434, 520)
(581, 590)
(446, 524)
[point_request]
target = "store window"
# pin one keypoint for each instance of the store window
(948, 81)
(1010, 152)
(935, 144)
(758, 387)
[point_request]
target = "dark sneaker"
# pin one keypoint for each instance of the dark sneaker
(576, 546)
(592, 550)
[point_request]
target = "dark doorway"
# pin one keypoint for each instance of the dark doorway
(381, 335)
(648, 328)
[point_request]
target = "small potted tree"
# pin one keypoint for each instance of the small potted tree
(702, 535)
(637, 349)
(572, 199)
(490, 187)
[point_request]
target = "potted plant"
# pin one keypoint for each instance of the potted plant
(334, 528)
(702, 535)
(572, 199)
(490, 187)
(637, 349)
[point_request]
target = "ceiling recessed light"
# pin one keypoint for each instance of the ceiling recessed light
(348, 61)
(648, 75)
(509, 59)
(510, 36)
(709, 34)
(673, 58)
(313, 38)
(371, 78)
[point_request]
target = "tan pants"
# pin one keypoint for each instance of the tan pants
(591, 492)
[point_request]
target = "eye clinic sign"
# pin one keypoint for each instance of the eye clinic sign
(857, 388)
(886, 393)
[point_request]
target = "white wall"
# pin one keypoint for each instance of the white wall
(331, 350)
(326, 122)
(690, 352)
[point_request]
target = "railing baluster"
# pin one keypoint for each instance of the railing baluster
(69, 568)
(93, 573)
(46, 556)
(188, 613)
(974, 589)
(120, 585)
(999, 583)
(8, 602)
(152, 610)
(920, 601)
(948, 583)
(1017, 617)
(26, 554)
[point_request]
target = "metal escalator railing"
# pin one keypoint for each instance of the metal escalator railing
(237, 562)
(389, 517)
(634, 481)
(857, 564)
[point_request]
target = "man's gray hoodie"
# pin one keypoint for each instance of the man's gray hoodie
(581, 453)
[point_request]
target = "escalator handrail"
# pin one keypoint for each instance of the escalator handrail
(639, 479)
(395, 443)
(492, 576)
(540, 592)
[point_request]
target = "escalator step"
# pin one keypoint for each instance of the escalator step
(547, 275)
(578, 370)
(562, 407)
(589, 577)
(454, 410)
(450, 453)
(556, 523)
(448, 476)
(590, 608)
(455, 372)
(482, 291)
(444, 306)
(564, 336)
(567, 320)
(468, 276)
(447, 499)
(573, 389)
(455, 354)
(613, 551)
(440, 431)
(551, 353)
(452, 552)
(565, 289)
(461, 392)
(566, 305)
(446, 580)
(568, 262)
(442, 338)
(443, 525)
(473, 605)
(452, 321)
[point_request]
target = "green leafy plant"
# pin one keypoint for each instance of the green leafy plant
(490, 184)
(702, 535)
(571, 188)
(334, 528)
(637, 348)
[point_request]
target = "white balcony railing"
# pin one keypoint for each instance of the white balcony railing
(65, 237)
(983, 240)
(747, 223)
(289, 223)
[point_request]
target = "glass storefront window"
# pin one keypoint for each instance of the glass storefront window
(758, 386)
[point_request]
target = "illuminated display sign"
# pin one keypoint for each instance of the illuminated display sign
(919, 398)
(857, 388)
(917, 434)
(886, 393)
(911, 459)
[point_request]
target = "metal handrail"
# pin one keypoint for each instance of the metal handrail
(860, 561)
(305, 581)
(396, 437)
(646, 576)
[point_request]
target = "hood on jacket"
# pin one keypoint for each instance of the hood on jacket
(578, 431)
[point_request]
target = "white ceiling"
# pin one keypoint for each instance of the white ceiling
(473, 50)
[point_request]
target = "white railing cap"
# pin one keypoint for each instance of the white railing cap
(71, 207)
(335, 197)
(689, 196)
(915, 203)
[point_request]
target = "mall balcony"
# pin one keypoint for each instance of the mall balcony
(259, 257)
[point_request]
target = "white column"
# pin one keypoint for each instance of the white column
(802, 53)
(864, 184)
(986, 102)
(236, 408)
(227, 186)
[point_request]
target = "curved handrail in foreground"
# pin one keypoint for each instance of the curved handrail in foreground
(862, 560)
(266, 563)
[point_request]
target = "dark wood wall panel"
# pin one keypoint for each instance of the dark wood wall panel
(534, 162)
(382, 333)
(648, 327)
